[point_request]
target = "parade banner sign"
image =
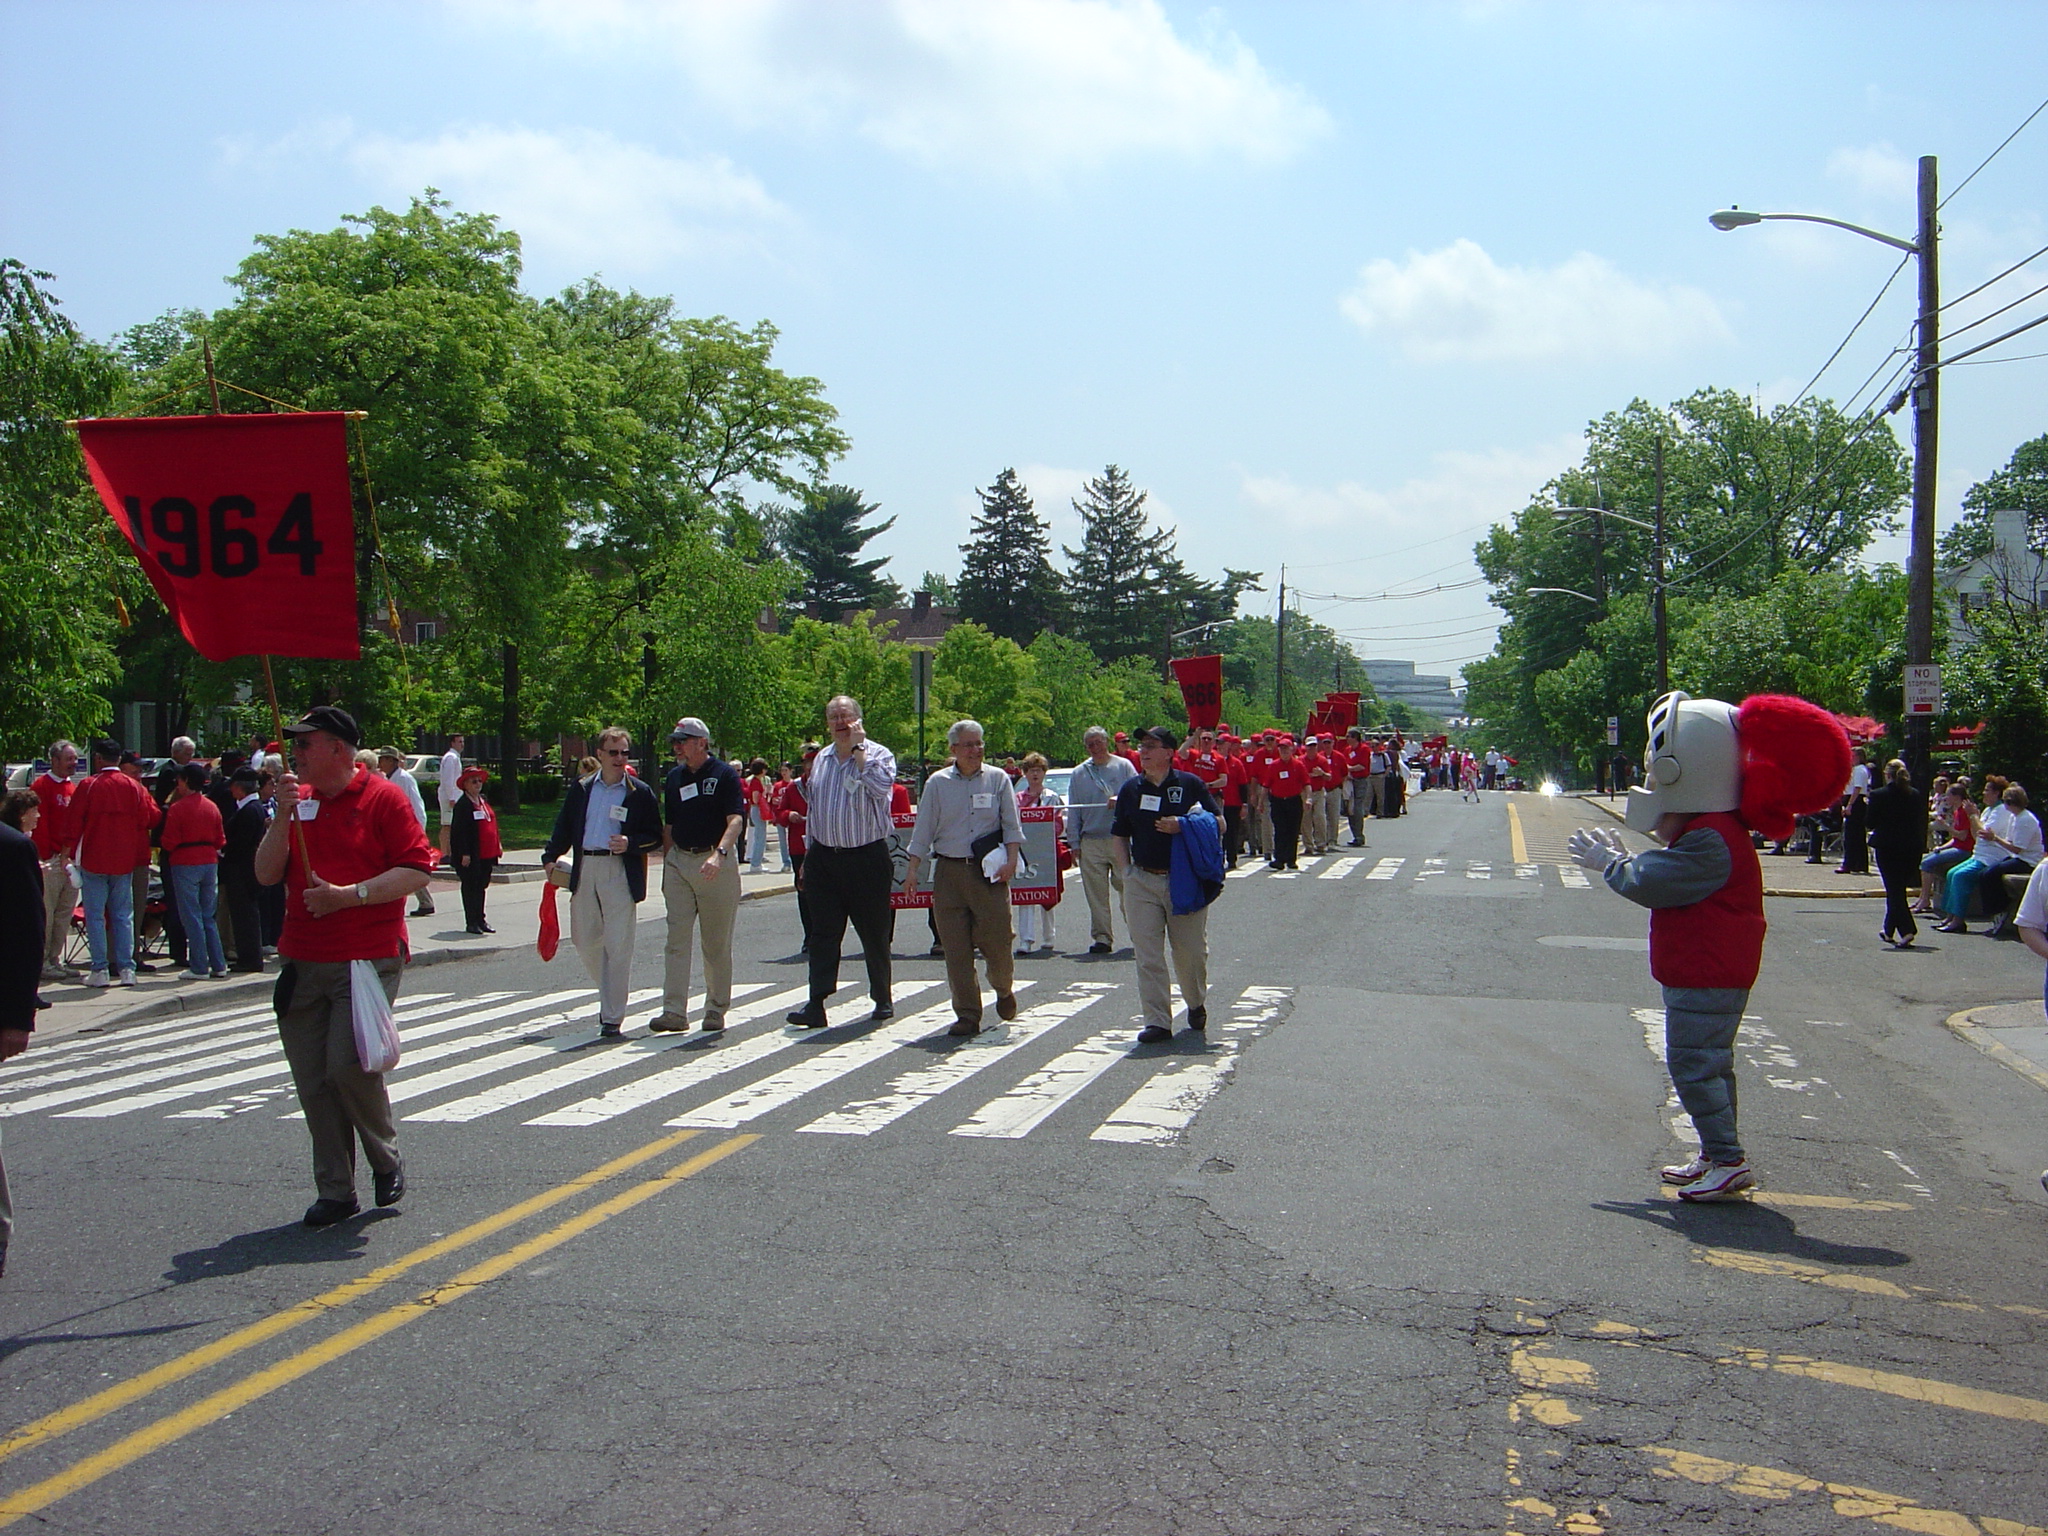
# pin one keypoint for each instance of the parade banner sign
(1036, 883)
(243, 524)
(1201, 689)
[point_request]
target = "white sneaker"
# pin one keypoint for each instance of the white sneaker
(1684, 1173)
(193, 975)
(98, 979)
(1721, 1181)
(125, 979)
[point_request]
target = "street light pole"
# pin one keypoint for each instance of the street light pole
(1926, 393)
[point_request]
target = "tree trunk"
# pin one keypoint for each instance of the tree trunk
(508, 734)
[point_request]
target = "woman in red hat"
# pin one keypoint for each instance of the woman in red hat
(475, 846)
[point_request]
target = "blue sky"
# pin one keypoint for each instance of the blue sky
(1339, 284)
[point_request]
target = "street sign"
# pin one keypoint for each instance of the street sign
(1923, 689)
(1614, 730)
(921, 679)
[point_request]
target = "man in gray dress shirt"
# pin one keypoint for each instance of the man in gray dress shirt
(965, 802)
(1091, 806)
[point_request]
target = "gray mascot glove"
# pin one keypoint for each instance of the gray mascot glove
(1596, 850)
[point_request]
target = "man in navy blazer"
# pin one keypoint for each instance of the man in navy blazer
(609, 822)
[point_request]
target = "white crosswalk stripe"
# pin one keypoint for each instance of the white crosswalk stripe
(1340, 868)
(1028, 1105)
(629, 1054)
(1386, 869)
(1573, 877)
(1167, 1104)
(1477, 871)
(403, 1089)
(793, 1082)
(81, 1045)
(1528, 872)
(910, 1090)
(652, 1089)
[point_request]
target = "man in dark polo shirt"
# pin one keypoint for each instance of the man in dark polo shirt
(367, 856)
(1148, 812)
(703, 810)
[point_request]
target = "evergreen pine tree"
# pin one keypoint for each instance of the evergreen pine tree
(824, 538)
(1115, 594)
(1007, 582)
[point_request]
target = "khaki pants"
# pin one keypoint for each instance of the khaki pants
(342, 1102)
(1148, 912)
(1099, 875)
(601, 927)
(58, 901)
(1333, 816)
(971, 914)
(692, 899)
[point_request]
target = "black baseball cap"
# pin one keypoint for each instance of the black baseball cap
(1159, 736)
(331, 719)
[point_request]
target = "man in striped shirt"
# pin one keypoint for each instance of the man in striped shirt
(847, 873)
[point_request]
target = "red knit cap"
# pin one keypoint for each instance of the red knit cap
(1795, 761)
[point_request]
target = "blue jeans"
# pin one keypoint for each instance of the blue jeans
(109, 898)
(197, 891)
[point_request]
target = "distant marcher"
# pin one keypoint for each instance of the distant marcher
(967, 813)
(347, 852)
(795, 815)
(240, 891)
(1898, 831)
(168, 777)
(755, 788)
(21, 965)
(56, 838)
(1091, 808)
(847, 870)
(1286, 785)
(392, 766)
(1034, 922)
(113, 817)
(704, 810)
(1150, 810)
(193, 837)
(476, 848)
(609, 823)
(446, 788)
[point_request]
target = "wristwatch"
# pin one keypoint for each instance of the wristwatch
(363, 892)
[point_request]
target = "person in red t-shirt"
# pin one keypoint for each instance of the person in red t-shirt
(193, 836)
(56, 835)
(367, 855)
(1286, 782)
(113, 814)
(1358, 791)
(1236, 780)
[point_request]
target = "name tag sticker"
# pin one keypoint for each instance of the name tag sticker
(617, 813)
(686, 792)
(984, 801)
(1148, 802)
(309, 810)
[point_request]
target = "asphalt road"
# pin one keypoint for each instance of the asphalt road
(1387, 1254)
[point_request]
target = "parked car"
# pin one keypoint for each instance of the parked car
(19, 775)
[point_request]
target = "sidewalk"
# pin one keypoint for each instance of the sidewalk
(513, 908)
(2014, 1035)
(1785, 874)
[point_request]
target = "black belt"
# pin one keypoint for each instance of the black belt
(846, 847)
(1151, 871)
(954, 858)
(596, 853)
(707, 848)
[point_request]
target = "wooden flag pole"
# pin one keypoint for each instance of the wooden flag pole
(277, 735)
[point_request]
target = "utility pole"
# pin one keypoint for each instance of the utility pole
(1280, 653)
(1926, 443)
(1657, 584)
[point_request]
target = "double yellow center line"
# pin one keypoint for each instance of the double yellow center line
(208, 1410)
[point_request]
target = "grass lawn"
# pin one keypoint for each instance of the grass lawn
(528, 827)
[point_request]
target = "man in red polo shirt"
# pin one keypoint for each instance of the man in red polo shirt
(112, 817)
(368, 854)
(1236, 779)
(1286, 783)
(56, 836)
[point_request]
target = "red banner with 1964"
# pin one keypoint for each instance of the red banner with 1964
(243, 524)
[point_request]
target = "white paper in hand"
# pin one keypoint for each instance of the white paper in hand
(993, 861)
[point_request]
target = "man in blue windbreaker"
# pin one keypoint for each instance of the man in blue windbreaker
(1149, 812)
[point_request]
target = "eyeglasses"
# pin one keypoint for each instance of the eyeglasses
(617, 751)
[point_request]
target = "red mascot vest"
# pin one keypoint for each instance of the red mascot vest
(1718, 942)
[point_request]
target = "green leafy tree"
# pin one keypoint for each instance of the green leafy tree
(2021, 485)
(1007, 581)
(59, 609)
(715, 660)
(938, 588)
(857, 657)
(2001, 679)
(824, 538)
(1828, 637)
(987, 677)
(1078, 694)
(1114, 592)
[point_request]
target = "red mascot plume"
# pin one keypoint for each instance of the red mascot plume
(1795, 761)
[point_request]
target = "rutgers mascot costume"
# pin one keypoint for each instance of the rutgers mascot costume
(1715, 774)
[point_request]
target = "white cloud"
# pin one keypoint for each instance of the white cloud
(1025, 87)
(1458, 304)
(1467, 489)
(579, 197)
(1876, 169)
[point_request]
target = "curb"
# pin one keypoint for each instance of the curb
(1769, 890)
(196, 1001)
(1966, 1027)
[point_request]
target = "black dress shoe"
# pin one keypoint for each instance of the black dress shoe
(1198, 1018)
(883, 1013)
(1006, 1007)
(610, 1031)
(1154, 1034)
(812, 1017)
(325, 1213)
(485, 928)
(1098, 949)
(390, 1187)
(964, 1029)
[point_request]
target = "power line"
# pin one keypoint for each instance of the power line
(1824, 367)
(1388, 554)
(1985, 362)
(1388, 597)
(1982, 319)
(1994, 154)
(2008, 272)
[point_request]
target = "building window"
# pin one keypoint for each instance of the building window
(425, 630)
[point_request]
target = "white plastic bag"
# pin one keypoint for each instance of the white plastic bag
(376, 1029)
